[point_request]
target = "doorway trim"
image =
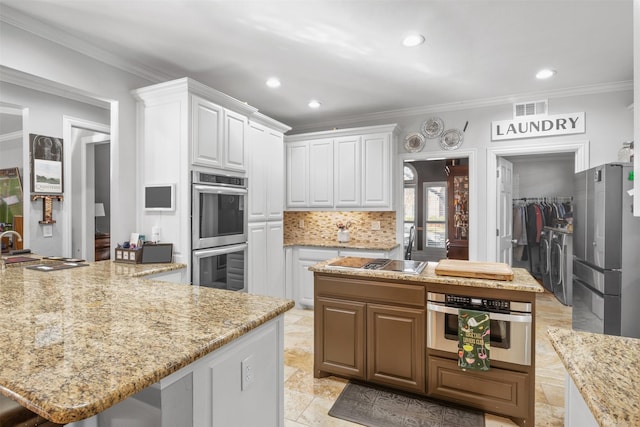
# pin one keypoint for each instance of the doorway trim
(471, 154)
(581, 162)
(68, 124)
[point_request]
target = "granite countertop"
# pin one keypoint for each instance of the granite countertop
(605, 369)
(522, 280)
(351, 244)
(77, 341)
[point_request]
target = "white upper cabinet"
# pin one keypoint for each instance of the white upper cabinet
(349, 168)
(234, 141)
(207, 126)
(347, 161)
(298, 175)
(321, 173)
(265, 172)
(376, 173)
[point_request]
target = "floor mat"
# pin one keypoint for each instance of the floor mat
(376, 406)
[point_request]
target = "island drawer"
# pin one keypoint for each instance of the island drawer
(371, 291)
(497, 390)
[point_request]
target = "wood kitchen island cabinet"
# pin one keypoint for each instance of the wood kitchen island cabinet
(373, 326)
(370, 330)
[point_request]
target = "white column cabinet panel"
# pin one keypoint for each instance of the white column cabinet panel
(207, 124)
(347, 179)
(298, 175)
(321, 173)
(376, 174)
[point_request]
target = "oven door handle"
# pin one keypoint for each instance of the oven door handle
(201, 253)
(520, 318)
(212, 189)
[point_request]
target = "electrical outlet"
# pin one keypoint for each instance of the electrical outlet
(301, 223)
(47, 230)
(247, 372)
(375, 225)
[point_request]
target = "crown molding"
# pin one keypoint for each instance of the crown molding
(20, 78)
(334, 133)
(11, 136)
(391, 115)
(19, 20)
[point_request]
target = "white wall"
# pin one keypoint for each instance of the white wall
(542, 176)
(45, 118)
(28, 53)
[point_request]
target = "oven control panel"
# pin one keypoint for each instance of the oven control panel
(479, 303)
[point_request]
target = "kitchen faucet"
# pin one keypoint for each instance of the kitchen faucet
(4, 233)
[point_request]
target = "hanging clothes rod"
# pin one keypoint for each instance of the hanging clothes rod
(551, 199)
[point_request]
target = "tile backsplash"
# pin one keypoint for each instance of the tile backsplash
(321, 225)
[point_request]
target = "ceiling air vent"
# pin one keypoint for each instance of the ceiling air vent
(530, 108)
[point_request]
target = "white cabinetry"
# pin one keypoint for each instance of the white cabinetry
(266, 259)
(303, 277)
(349, 168)
(214, 390)
(185, 126)
(266, 202)
(321, 173)
(303, 257)
(218, 139)
(576, 413)
(347, 164)
(297, 175)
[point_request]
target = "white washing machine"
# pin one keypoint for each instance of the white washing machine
(545, 257)
(561, 266)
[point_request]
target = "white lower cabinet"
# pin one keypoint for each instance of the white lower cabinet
(303, 277)
(576, 412)
(301, 258)
(215, 390)
(266, 259)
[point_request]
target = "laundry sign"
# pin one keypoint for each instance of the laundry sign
(537, 126)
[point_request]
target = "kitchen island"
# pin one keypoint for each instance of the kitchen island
(78, 341)
(387, 328)
(601, 379)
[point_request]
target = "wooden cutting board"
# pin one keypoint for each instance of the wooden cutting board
(474, 269)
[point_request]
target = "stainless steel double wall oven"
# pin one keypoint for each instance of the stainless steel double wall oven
(219, 231)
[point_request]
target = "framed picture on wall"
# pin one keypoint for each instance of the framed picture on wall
(46, 164)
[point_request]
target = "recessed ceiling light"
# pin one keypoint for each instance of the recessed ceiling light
(545, 73)
(314, 104)
(413, 40)
(273, 82)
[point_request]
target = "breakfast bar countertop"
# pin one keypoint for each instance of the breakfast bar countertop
(77, 341)
(605, 369)
(522, 280)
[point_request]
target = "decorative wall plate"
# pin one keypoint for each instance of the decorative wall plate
(451, 139)
(414, 142)
(433, 127)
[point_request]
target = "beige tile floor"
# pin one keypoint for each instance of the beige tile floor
(307, 400)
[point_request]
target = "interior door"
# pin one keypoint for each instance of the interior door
(504, 190)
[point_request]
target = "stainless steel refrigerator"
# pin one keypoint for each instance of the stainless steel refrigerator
(606, 244)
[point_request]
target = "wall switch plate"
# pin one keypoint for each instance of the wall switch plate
(375, 225)
(301, 223)
(247, 372)
(47, 230)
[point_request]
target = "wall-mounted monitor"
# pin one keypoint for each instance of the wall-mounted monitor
(159, 197)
